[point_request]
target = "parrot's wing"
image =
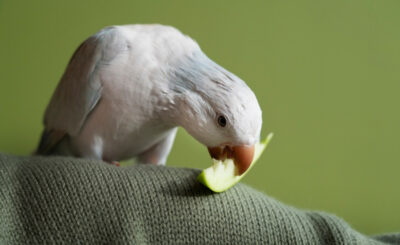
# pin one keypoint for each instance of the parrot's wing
(80, 88)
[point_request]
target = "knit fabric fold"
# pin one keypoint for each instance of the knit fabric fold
(59, 200)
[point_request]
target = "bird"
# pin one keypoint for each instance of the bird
(127, 89)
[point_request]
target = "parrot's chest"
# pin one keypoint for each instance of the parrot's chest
(125, 123)
(128, 142)
(114, 132)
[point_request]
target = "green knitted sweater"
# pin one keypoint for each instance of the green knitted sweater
(58, 200)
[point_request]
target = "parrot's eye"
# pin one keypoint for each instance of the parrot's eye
(222, 121)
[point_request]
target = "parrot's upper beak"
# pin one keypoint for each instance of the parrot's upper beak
(242, 155)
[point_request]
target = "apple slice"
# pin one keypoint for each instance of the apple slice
(222, 175)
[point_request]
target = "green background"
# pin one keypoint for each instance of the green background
(326, 73)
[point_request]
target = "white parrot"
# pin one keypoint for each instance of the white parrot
(126, 90)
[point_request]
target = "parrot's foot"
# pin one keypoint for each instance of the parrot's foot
(115, 163)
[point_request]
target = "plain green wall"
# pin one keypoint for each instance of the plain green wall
(326, 73)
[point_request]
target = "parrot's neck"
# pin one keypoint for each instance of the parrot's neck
(193, 82)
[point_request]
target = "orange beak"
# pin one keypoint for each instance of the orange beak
(241, 155)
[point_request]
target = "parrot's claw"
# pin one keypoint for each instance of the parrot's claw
(115, 163)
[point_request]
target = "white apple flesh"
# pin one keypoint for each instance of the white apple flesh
(222, 175)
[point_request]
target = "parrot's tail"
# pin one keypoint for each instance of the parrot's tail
(49, 141)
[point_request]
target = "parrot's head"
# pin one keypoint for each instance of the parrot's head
(218, 109)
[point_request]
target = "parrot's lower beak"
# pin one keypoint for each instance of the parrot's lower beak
(242, 155)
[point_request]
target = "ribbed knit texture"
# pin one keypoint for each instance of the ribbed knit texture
(70, 201)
